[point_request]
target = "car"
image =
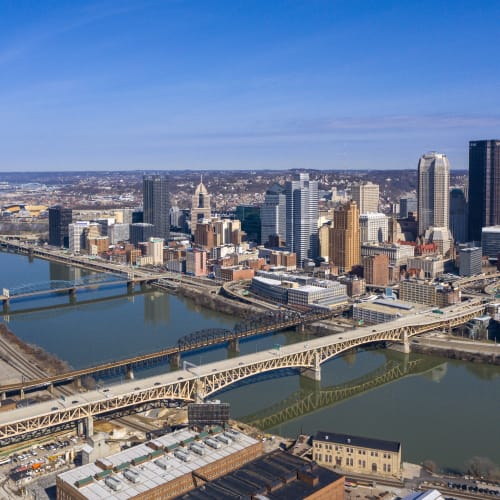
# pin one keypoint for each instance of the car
(74, 401)
(180, 378)
(54, 408)
(157, 383)
(105, 390)
(137, 388)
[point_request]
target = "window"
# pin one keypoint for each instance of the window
(374, 467)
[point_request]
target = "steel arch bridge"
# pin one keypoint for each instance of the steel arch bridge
(212, 379)
(55, 285)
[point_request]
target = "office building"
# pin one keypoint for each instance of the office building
(155, 250)
(59, 220)
(200, 205)
(470, 261)
(249, 216)
(427, 266)
(433, 191)
(360, 455)
(302, 217)
(141, 231)
(458, 215)
(407, 206)
(196, 262)
(374, 228)
(76, 236)
(118, 233)
(398, 254)
(428, 293)
(273, 215)
(484, 186)
(345, 238)
(490, 241)
(366, 196)
(156, 205)
(376, 269)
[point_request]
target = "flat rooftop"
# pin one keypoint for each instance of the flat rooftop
(152, 464)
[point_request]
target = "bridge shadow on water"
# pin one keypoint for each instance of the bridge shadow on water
(312, 397)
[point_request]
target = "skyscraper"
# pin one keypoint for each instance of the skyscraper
(433, 191)
(366, 196)
(59, 220)
(484, 186)
(200, 205)
(273, 214)
(302, 217)
(345, 237)
(156, 204)
(458, 215)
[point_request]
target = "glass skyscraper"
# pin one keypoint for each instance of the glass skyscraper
(484, 186)
(156, 204)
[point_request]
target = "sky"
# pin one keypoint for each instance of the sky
(245, 84)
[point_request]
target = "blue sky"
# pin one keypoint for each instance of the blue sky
(158, 84)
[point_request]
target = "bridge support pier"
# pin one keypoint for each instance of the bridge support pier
(21, 393)
(72, 295)
(6, 306)
(234, 345)
(314, 372)
(130, 287)
(89, 427)
(175, 361)
(300, 328)
(129, 372)
(50, 388)
(3, 396)
(199, 391)
(78, 382)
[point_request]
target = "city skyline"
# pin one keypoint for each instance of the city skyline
(184, 85)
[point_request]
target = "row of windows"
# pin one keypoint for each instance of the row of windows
(350, 450)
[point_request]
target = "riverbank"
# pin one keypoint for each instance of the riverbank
(22, 361)
(455, 348)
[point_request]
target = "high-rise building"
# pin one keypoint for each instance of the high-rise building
(156, 203)
(366, 196)
(345, 249)
(141, 231)
(302, 217)
(59, 220)
(249, 215)
(374, 228)
(76, 236)
(470, 261)
(433, 191)
(406, 206)
(376, 269)
(458, 215)
(484, 186)
(200, 205)
(273, 214)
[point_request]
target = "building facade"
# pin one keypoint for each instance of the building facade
(433, 191)
(273, 215)
(345, 237)
(458, 215)
(374, 228)
(140, 231)
(366, 196)
(59, 220)
(490, 241)
(470, 261)
(484, 186)
(376, 269)
(358, 454)
(200, 205)
(407, 206)
(156, 204)
(302, 217)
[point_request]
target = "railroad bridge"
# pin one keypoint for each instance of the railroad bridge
(204, 381)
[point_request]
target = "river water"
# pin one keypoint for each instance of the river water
(442, 410)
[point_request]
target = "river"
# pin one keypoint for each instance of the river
(442, 410)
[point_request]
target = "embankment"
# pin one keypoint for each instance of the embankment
(37, 357)
(455, 353)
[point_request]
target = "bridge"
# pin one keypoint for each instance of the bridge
(260, 325)
(204, 381)
(304, 401)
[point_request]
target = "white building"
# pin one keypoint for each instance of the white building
(398, 254)
(470, 261)
(76, 234)
(366, 196)
(155, 250)
(118, 232)
(374, 228)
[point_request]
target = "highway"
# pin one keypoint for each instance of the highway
(198, 383)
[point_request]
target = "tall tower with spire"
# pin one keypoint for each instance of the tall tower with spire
(200, 205)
